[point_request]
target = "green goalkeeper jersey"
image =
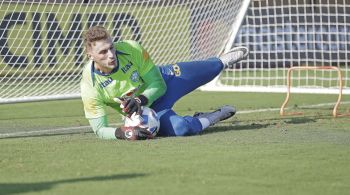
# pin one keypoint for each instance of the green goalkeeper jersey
(134, 74)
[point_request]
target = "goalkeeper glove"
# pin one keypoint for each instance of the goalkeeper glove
(133, 104)
(133, 133)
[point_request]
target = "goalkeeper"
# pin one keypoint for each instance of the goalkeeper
(124, 70)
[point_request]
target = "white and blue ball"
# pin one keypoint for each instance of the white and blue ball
(148, 119)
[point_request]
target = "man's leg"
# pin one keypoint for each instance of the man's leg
(172, 124)
(184, 77)
(211, 118)
(181, 79)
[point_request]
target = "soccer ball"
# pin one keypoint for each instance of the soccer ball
(148, 119)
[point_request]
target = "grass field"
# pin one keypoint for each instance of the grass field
(52, 151)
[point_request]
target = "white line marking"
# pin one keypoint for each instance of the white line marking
(277, 109)
(73, 129)
(43, 131)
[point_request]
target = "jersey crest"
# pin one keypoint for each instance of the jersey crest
(134, 76)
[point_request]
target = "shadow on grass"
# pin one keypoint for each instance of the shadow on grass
(260, 124)
(218, 129)
(300, 120)
(15, 188)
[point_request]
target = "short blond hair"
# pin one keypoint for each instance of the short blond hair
(95, 33)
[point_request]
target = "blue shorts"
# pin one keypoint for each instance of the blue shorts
(182, 78)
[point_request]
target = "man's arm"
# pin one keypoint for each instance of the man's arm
(155, 85)
(101, 129)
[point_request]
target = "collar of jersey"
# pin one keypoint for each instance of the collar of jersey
(93, 70)
(104, 74)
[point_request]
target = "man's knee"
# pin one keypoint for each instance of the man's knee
(172, 124)
(181, 128)
(216, 65)
(186, 126)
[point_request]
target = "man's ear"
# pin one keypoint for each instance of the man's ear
(89, 56)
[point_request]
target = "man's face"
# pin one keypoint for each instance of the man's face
(103, 53)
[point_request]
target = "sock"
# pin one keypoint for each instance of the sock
(205, 122)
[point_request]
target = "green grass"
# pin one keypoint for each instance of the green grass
(257, 153)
